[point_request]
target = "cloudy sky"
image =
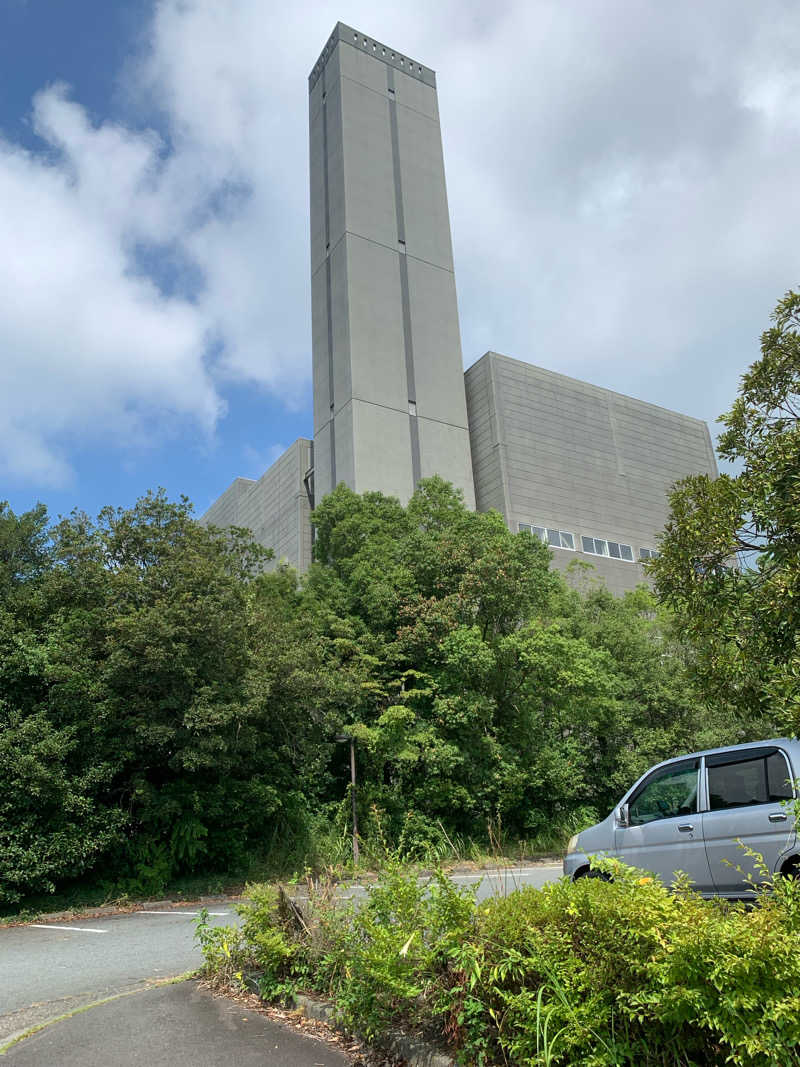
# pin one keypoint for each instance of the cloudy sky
(623, 190)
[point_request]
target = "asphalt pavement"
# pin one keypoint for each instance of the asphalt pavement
(51, 970)
(180, 1025)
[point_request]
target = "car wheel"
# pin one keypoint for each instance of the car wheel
(592, 872)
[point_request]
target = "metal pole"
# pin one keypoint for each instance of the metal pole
(353, 796)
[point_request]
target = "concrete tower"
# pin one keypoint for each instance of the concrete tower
(389, 399)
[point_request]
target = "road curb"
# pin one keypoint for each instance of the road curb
(413, 1050)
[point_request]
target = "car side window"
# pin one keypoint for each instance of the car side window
(757, 779)
(779, 785)
(667, 793)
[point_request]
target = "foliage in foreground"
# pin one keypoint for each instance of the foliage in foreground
(625, 973)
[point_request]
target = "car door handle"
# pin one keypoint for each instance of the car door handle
(777, 816)
(686, 828)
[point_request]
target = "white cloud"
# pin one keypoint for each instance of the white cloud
(91, 351)
(621, 179)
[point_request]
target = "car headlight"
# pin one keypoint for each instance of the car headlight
(572, 844)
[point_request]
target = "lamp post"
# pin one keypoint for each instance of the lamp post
(346, 737)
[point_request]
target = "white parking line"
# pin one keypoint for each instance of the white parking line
(143, 911)
(505, 873)
(76, 929)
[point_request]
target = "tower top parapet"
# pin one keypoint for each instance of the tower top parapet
(392, 58)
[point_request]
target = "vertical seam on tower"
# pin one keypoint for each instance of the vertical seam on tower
(408, 344)
(328, 270)
(330, 368)
(398, 186)
(325, 163)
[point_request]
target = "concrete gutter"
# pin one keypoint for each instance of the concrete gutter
(413, 1050)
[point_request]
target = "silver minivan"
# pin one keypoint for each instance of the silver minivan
(688, 814)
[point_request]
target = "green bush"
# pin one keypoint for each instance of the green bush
(590, 972)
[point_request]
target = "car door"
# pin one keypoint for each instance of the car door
(745, 789)
(665, 832)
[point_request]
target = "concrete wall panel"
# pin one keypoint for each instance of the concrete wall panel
(437, 344)
(427, 220)
(444, 450)
(345, 452)
(359, 65)
(383, 452)
(317, 190)
(319, 340)
(341, 325)
(323, 470)
(337, 219)
(368, 169)
(275, 508)
(375, 315)
(412, 93)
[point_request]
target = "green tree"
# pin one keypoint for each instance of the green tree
(24, 547)
(730, 555)
(128, 733)
(481, 685)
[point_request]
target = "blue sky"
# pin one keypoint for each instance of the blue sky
(621, 181)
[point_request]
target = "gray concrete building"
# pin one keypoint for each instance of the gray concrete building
(276, 507)
(585, 469)
(389, 404)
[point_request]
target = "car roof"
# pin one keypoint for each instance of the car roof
(775, 742)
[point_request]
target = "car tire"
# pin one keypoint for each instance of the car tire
(791, 869)
(592, 872)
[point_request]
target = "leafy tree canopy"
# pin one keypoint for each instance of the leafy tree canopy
(730, 556)
(166, 706)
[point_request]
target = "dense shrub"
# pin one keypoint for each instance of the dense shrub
(589, 972)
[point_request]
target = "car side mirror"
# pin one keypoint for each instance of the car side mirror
(623, 815)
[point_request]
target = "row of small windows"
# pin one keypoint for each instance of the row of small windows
(595, 546)
(365, 43)
(598, 546)
(402, 59)
(555, 538)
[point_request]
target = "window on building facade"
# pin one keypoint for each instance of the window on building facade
(599, 546)
(553, 538)
(648, 553)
